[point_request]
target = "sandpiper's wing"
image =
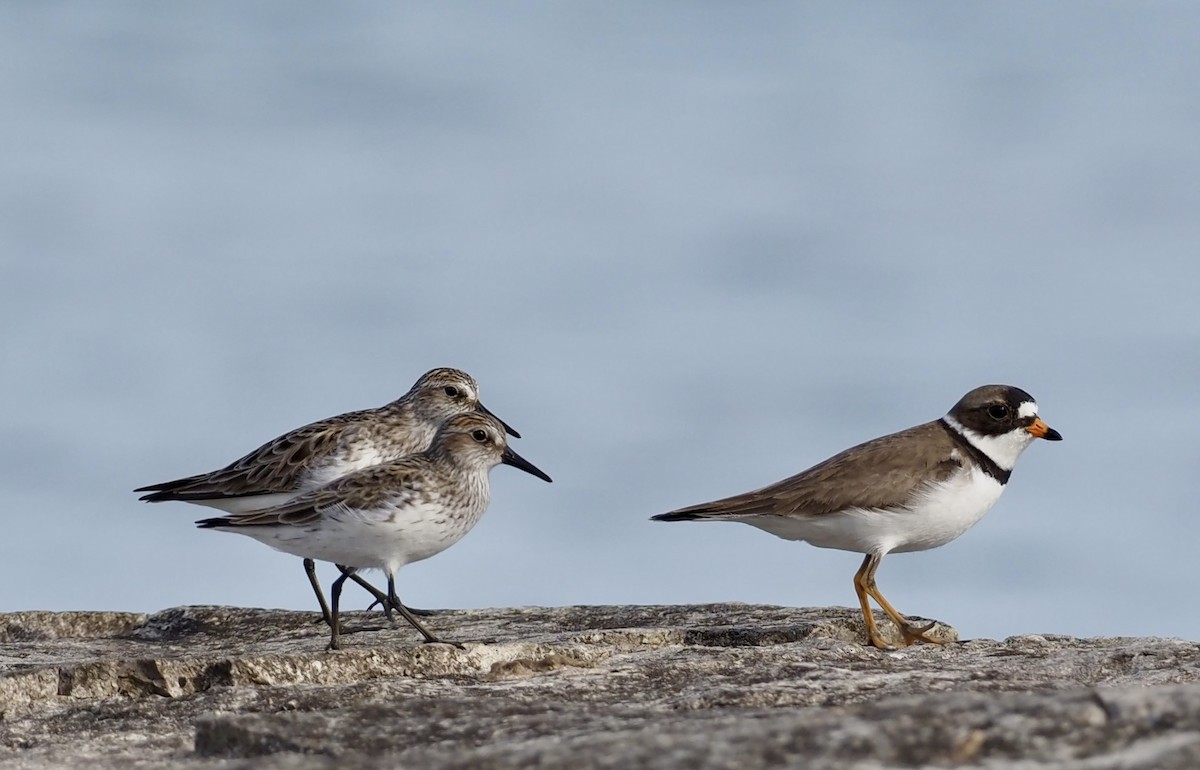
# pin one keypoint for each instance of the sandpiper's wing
(364, 494)
(881, 473)
(276, 466)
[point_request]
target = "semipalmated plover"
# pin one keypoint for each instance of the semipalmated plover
(909, 491)
(392, 514)
(317, 453)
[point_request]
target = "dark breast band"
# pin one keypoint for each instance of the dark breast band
(986, 463)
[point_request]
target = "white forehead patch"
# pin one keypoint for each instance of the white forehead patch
(1027, 409)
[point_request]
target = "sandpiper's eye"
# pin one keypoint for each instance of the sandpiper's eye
(451, 391)
(479, 435)
(998, 411)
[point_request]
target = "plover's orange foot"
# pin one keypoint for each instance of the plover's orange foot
(913, 635)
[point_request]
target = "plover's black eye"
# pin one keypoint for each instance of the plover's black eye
(450, 391)
(479, 435)
(998, 411)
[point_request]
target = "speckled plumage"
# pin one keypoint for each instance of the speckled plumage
(314, 454)
(317, 453)
(392, 514)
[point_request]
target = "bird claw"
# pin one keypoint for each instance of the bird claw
(435, 640)
(913, 635)
(879, 643)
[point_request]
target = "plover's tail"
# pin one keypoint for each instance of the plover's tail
(679, 516)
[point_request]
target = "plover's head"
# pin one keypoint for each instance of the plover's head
(477, 440)
(1001, 420)
(442, 393)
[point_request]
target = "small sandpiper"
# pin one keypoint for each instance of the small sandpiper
(317, 453)
(908, 491)
(389, 515)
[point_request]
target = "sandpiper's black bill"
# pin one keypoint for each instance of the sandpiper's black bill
(510, 457)
(508, 428)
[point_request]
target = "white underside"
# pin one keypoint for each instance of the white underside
(385, 538)
(247, 503)
(941, 513)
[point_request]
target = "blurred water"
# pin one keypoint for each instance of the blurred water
(687, 249)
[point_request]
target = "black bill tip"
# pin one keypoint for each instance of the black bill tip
(509, 457)
(507, 428)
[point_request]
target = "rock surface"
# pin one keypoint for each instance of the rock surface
(720, 686)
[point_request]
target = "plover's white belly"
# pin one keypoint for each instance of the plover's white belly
(935, 517)
(381, 539)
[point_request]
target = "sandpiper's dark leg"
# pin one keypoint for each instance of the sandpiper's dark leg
(413, 610)
(380, 596)
(310, 568)
(335, 593)
(399, 607)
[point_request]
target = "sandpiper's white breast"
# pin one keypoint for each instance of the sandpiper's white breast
(406, 529)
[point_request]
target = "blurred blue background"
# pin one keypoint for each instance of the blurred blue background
(687, 250)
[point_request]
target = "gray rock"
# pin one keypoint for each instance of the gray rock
(720, 686)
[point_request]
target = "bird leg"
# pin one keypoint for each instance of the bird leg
(864, 586)
(413, 610)
(396, 604)
(382, 600)
(335, 593)
(380, 597)
(873, 635)
(310, 569)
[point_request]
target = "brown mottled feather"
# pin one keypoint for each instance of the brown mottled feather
(364, 489)
(281, 460)
(299, 458)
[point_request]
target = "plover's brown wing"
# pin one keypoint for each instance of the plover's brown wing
(881, 473)
(276, 466)
(360, 494)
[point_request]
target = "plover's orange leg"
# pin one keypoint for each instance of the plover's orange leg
(860, 588)
(864, 583)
